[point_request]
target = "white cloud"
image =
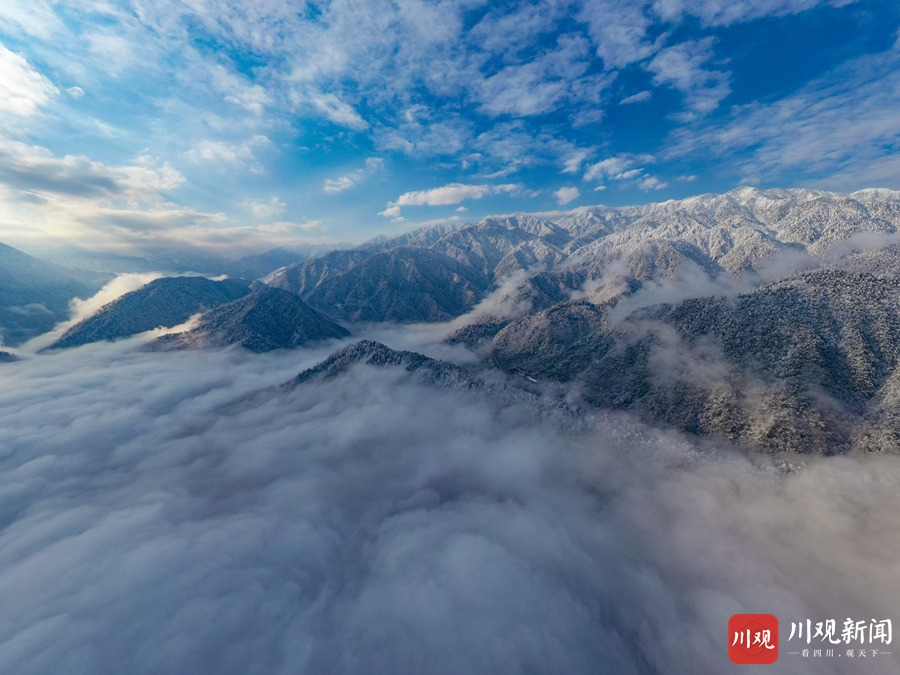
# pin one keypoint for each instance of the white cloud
(620, 168)
(538, 86)
(238, 90)
(566, 194)
(338, 111)
(541, 84)
(223, 153)
(522, 91)
(453, 193)
(166, 230)
(23, 90)
(273, 208)
(116, 51)
(337, 185)
(606, 168)
(618, 30)
(163, 514)
(621, 30)
(155, 225)
(682, 66)
(640, 97)
(651, 183)
(33, 19)
(149, 178)
(513, 146)
(284, 230)
(510, 33)
(628, 175)
(72, 199)
(390, 212)
(219, 152)
(35, 170)
(426, 137)
(718, 13)
(574, 161)
(374, 164)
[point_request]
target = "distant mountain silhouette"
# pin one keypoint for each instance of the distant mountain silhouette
(35, 295)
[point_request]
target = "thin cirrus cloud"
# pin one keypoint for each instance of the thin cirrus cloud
(834, 129)
(639, 97)
(219, 152)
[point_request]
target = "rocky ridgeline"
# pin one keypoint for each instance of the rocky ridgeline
(438, 273)
(443, 375)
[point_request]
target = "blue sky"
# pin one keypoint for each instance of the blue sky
(240, 125)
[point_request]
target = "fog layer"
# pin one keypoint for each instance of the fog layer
(156, 520)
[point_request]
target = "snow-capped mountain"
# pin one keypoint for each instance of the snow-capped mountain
(770, 318)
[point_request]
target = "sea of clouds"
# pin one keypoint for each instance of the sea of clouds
(158, 514)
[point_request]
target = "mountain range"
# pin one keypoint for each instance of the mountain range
(770, 318)
(782, 335)
(739, 233)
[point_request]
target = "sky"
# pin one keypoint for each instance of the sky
(241, 125)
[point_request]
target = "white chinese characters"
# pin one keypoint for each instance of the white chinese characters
(873, 631)
(748, 638)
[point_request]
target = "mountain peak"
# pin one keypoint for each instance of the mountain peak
(264, 320)
(377, 354)
(168, 301)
